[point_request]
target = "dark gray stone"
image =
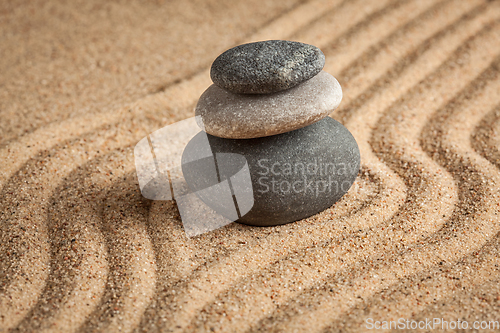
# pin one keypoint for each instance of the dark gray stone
(293, 175)
(266, 67)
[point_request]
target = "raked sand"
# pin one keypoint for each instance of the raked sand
(417, 236)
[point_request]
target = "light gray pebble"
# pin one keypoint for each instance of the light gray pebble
(238, 116)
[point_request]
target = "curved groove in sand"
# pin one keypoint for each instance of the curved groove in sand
(486, 137)
(423, 292)
(20, 294)
(407, 261)
(23, 244)
(78, 264)
(339, 21)
(87, 236)
(131, 283)
(378, 26)
(382, 63)
(472, 291)
(80, 269)
(446, 138)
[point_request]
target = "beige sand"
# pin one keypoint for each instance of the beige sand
(416, 237)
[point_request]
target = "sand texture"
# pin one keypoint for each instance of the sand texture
(417, 236)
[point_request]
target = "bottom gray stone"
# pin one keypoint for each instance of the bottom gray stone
(291, 176)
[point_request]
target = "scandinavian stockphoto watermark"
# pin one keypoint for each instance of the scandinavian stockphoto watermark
(315, 176)
(430, 324)
(215, 188)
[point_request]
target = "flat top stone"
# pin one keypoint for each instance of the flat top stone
(242, 116)
(266, 67)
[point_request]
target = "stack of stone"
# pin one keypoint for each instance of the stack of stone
(270, 103)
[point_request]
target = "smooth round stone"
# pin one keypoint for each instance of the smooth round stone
(293, 175)
(238, 116)
(266, 67)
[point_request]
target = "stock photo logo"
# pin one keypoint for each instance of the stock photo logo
(176, 162)
(263, 181)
